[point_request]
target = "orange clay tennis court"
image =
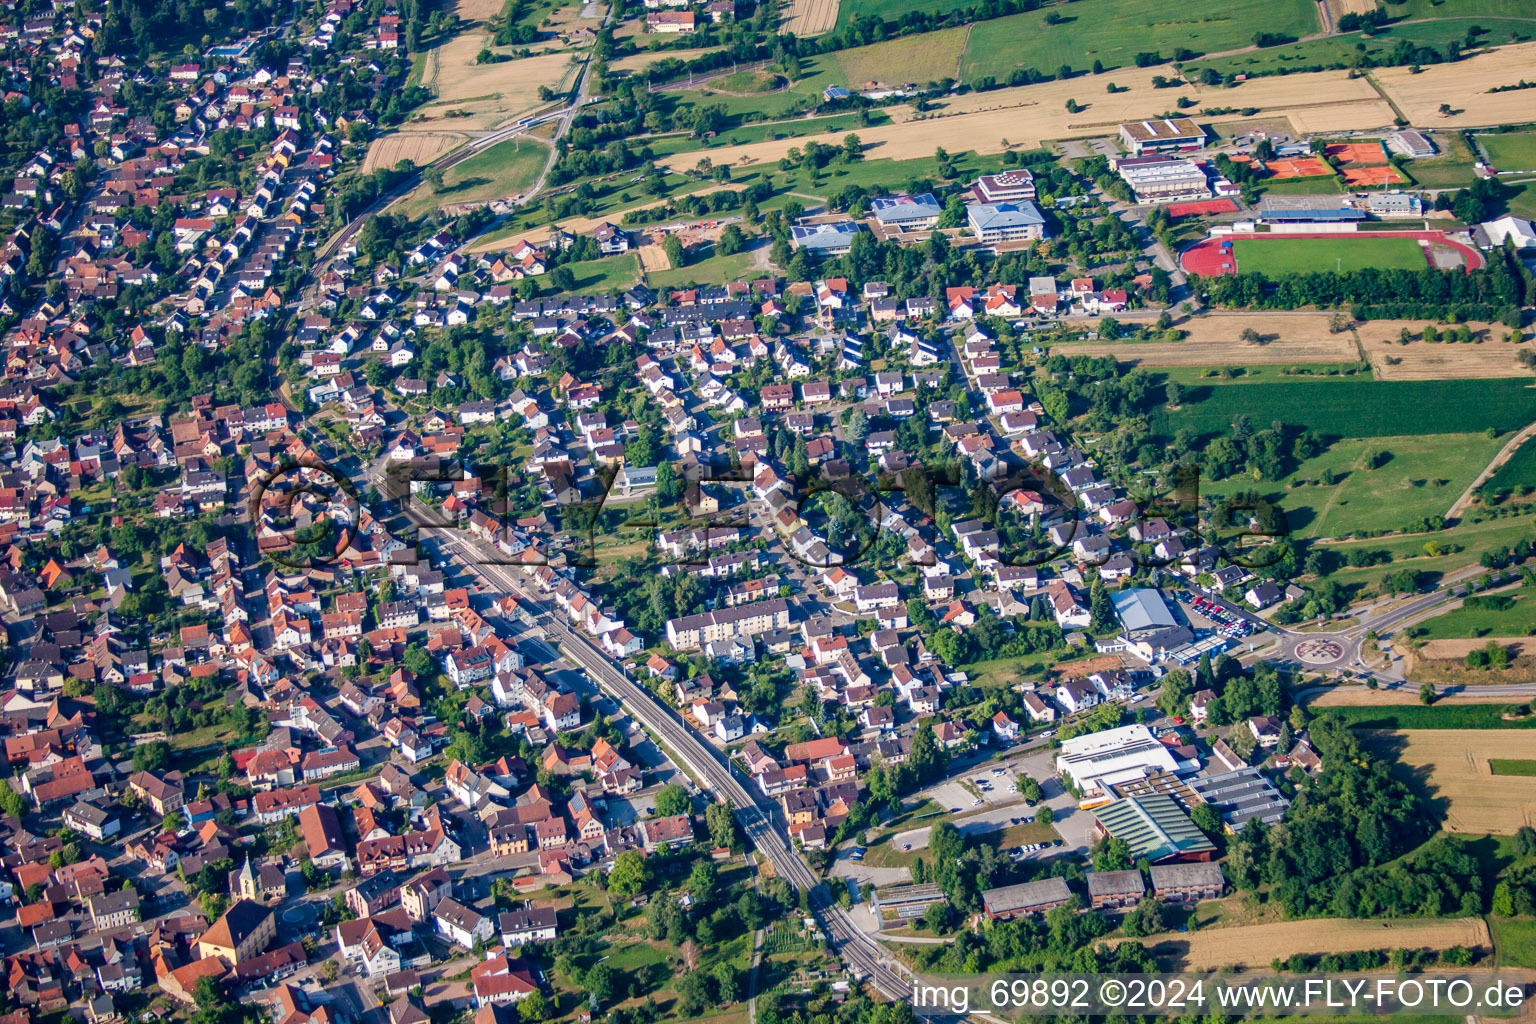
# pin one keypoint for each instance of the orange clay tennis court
(1357, 152)
(1367, 177)
(1298, 167)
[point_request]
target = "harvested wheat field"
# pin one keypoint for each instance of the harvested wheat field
(1489, 356)
(420, 148)
(927, 57)
(1360, 697)
(810, 17)
(1465, 86)
(1030, 115)
(1455, 650)
(483, 96)
(653, 258)
(1256, 945)
(1455, 765)
(1213, 341)
(637, 62)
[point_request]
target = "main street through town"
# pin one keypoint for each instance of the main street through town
(863, 955)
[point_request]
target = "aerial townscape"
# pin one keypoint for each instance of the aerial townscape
(603, 512)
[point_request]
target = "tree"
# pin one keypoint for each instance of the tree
(533, 1007)
(1101, 609)
(1207, 819)
(937, 917)
(433, 176)
(1029, 789)
(599, 981)
(1427, 694)
(673, 247)
(732, 240)
(1111, 854)
(701, 880)
(672, 800)
(1250, 336)
(630, 874)
(1045, 815)
(857, 428)
(721, 824)
(12, 803)
(1173, 393)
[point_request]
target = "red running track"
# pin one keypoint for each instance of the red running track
(1207, 259)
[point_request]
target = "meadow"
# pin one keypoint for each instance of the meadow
(1418, 717)
(1359, 408)
(1421, 477)
(1515, 151)
(1519, 471)
(1466, 623)
(1278, 256)
(496, 172)
(1115, 31)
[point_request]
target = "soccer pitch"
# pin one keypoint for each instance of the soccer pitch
(1278, 256)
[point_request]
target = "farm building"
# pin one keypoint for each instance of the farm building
(1241, 796)
(1095, 761)
(902, 904)
(1161, 134)
(1114, 888)
(1187, 883)
(1025, 900)
(1154, 827)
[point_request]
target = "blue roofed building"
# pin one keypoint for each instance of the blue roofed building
(1005, 222)
(906, 213)
(1308, 209)
(831, 239)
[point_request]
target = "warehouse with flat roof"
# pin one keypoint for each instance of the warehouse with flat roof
(1025, 899)
(1241, 796)
(1162, 133)
(1098, 760)
(1154, 827)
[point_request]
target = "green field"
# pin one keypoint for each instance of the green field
(504, 169)
(1115, 31)
(1501, 766)
(1470, 623)
(1417, 716)
(1514, 941)
(1359, 408)
(1407, 551)
(611, 273)
(1278, 256)
(1519, 471)
(712, 270)
(1452, 165)
(1515, 151)
(1422, 477)
(1340, 50)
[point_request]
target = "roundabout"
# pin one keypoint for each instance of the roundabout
(1319, 651)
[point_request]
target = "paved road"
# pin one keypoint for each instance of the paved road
(863, 954)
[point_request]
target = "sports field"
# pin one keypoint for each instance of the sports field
(1513, 152)
(1351, 408)
(1278, 256)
